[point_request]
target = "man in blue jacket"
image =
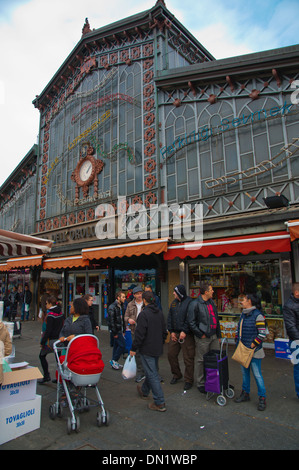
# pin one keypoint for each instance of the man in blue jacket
(204, 323)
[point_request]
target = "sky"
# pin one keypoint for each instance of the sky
(36, 36)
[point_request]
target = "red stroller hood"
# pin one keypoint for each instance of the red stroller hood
(84, 356)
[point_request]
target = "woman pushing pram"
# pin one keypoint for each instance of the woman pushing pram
(79, 369)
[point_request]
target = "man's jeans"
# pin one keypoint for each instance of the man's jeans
(152, 379)
(119, 347)
(255, 366)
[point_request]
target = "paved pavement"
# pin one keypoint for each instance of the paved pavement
(190, 424)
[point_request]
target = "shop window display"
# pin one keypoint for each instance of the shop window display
(125, 279)
(231, 280)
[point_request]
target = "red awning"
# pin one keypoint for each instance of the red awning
(276, 242)
(75, 261)
(293, 226)
(139, 248)
(17, 244)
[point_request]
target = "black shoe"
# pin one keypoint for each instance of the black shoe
(44, 380)
(262, 404)
(202, 389)
(243, 397)
(187, 386)
(174, 380)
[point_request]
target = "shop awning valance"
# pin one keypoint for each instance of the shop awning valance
(276, 242)
(24, 262)
(3, 267)
(293, 226)
(17, 244)
(139, 248)
(75, 261)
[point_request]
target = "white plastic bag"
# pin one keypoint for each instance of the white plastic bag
(129, 369)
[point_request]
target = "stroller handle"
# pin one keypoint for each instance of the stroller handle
(58, 348)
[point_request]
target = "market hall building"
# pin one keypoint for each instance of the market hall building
(141, 114)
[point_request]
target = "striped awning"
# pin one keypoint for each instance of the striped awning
(16, 244)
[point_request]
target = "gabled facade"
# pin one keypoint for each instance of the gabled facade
(104, 96)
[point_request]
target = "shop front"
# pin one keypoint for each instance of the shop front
(102, 270)
(238, 265)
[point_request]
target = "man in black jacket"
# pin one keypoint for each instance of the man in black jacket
(149, 337)
(203, 321)
(181, 337)
(291, 319)
(117, 327)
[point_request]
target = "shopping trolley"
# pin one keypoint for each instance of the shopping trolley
(216, 374)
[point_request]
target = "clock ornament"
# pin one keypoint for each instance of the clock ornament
(86, 171)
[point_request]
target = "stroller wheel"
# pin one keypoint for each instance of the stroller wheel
(59, 411)
(103, 419)
(86, 404)
(107, 418)
(52, 412)
(221, 400)
(73, 426)
(77, 429)
(69, 425)
(230, 393)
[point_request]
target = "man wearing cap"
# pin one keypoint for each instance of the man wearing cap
(181, 337)
(133, 309)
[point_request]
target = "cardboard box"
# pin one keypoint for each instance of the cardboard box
(282, 349)
(19, 419)
(19, 385)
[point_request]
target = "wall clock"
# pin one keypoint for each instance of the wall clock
(86, 171)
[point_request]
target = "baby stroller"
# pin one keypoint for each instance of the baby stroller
(79, 369)
(216, 375)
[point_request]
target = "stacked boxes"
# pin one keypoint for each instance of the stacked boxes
(20, 407)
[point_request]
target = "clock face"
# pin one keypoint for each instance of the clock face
(85, 170)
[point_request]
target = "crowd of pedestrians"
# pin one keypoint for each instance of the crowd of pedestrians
(192, 326)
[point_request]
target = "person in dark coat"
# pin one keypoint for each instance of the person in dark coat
(54, 321)
(13, 301)
(27, 302)
(150, 335)
(252, 336)
(94, 323)
(291, 320)
(204, 323)
(78, 323)
(181, 337)
(116, 324)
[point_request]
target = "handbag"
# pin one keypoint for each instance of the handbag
(242, 354)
